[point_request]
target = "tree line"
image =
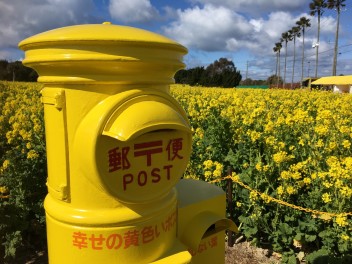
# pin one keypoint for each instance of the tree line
(16, 71)
(317, 8)
(220, 73)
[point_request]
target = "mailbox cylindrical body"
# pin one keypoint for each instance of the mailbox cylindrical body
(117, 143)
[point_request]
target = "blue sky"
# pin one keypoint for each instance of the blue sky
(244, 31)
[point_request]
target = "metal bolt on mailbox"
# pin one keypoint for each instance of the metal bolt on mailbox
(117, 146)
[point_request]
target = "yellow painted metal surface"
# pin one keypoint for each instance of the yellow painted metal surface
(117, 145)
(100, 53)
(201, 221)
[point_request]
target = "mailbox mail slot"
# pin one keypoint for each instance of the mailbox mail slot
(139, 160)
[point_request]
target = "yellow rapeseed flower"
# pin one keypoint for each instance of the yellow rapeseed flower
(258, 166)
(307, 180)
(346, 144)
(280, 190)
(285, 175)
(253, 196)
(3, 189)
(332, 145)
(32, 154)
(208, 164)
(5, 164)
(346, 192)
(321, 130)
(290, 190)
(327, 184)
(270, 140)
(207, 175)
(348, 163)
(341, 220)
(280, 157)
(218, 170)
(326, 198)
(266, 198)
(320, 143)
(345, 237)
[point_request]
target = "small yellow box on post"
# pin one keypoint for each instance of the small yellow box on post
(201, 220)
(117, 144)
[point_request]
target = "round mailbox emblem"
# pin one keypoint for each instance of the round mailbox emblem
(145, 168)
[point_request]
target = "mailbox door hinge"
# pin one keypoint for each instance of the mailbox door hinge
(56, 142)
(57, 100)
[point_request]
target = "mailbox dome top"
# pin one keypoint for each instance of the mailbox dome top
(103, 53)
(96, 33)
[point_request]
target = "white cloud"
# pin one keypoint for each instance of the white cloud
(132, 10)
(20, 19)
(218, 28)
(256, 7)
(257, 24)
(207, 28)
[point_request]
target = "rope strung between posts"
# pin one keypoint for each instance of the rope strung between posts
(268, 199)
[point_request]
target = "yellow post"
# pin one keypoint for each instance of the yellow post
(117, 144)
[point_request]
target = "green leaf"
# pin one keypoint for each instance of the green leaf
(310, 238)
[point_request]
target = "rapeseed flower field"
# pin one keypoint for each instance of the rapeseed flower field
(22, 168)
(289, 154)
(291, 147)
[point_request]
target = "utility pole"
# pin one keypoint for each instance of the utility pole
(247, 71)
(308, 68)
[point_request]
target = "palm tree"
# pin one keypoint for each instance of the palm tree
(277, 50)
(336, 4)
(317, 8)
(296, 32)
(286, 37)
(303, 23)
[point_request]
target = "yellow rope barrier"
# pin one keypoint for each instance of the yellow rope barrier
(268, 198)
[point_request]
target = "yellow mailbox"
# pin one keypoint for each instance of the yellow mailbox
(117, 144)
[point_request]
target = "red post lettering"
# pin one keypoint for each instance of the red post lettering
(147, 234)
(141, 181)
(118, 159)
(131, 238)
(79, 240)
(156, 175)
(173, 148)
(202, 247)
(114, 241)
(148, 149)
(127, 179)
(97, 242)
(213, 241)
(192, 252)
(167, 168)
(157, 233)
